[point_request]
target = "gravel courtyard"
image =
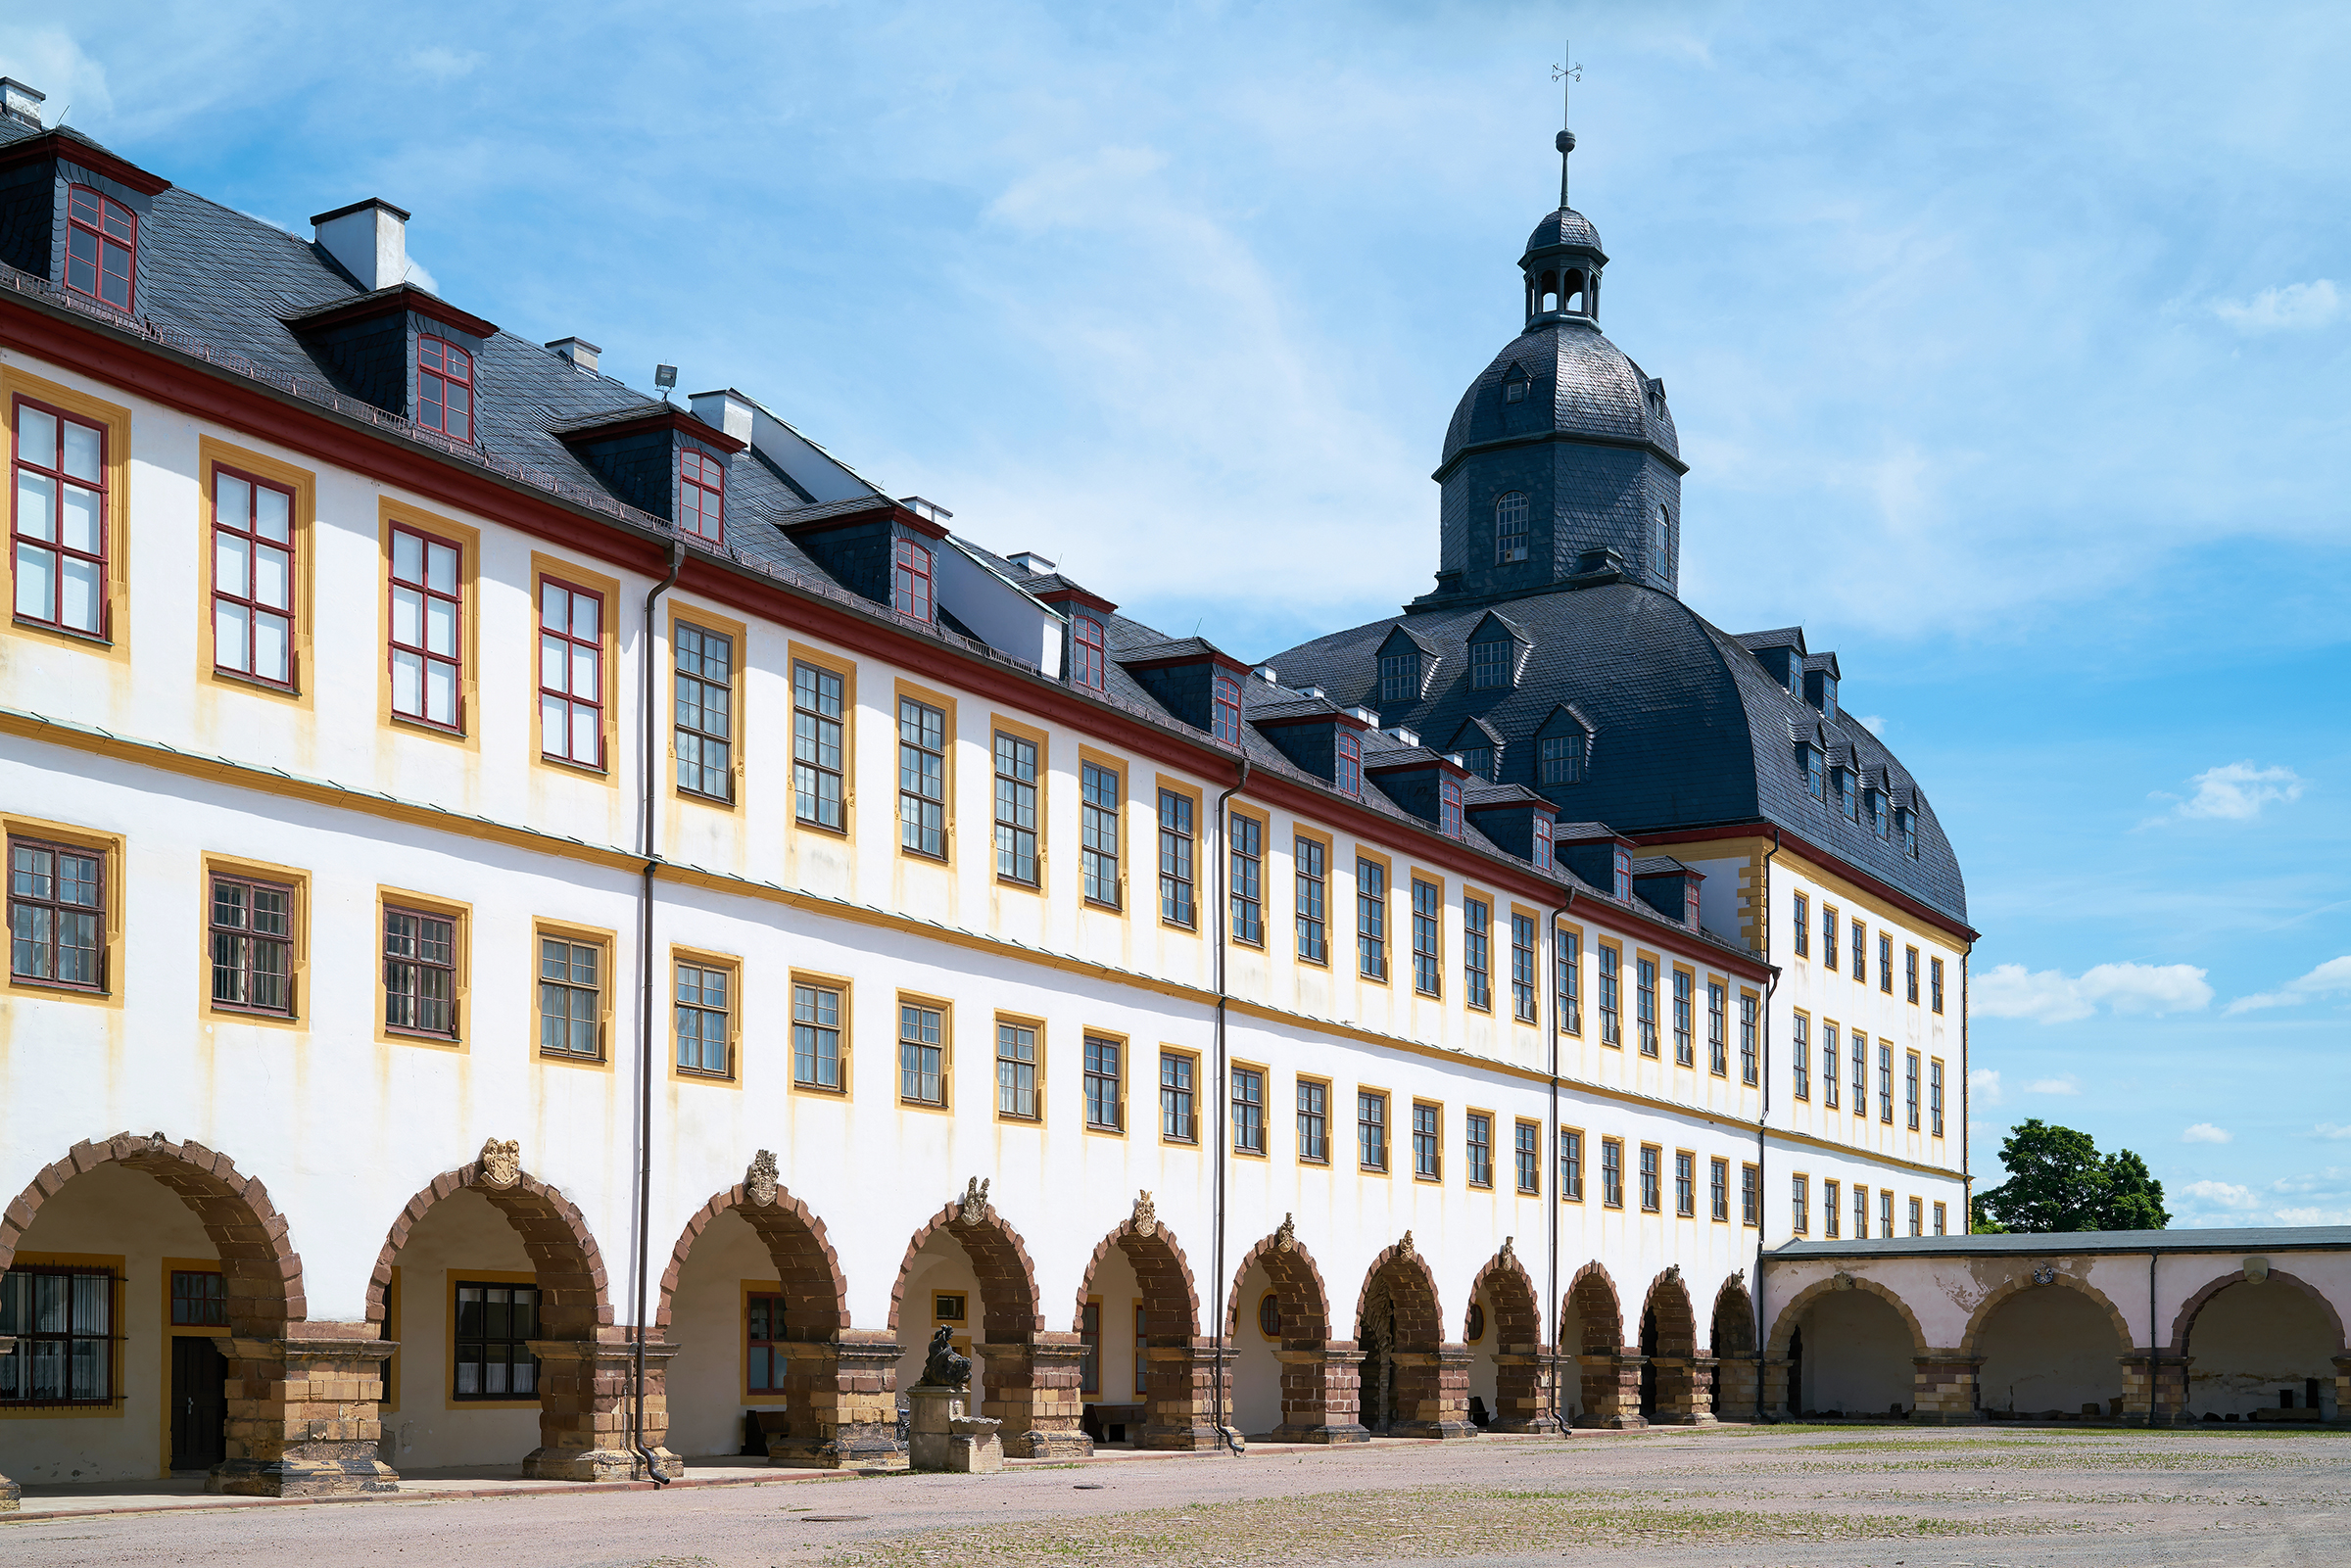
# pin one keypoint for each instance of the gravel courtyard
(1978, 1498)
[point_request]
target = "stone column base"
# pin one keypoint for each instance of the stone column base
(1032, 1386)
(1942, 1390)
(844, 1409)
(1432, 1391)
(303, 1417)
(1523, 1378)
(585, 1405)
(1736, 1382)
(1322, 1393)
(1179, 1412)
(1613, 1393)
(1685, 1394)
(2154, 1382)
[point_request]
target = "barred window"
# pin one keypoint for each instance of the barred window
(816, 746)
(1371, 918)
(1307, 857)
(1314, 1121)
(922, 778)
(570, 998)
(1176, 858)
(1685, 984)
(1247, 881)
(1371, 1130)
(421, 971)
(816, 1036)
(1103, 1100)
(1477, 963)
(495, 1325)
(1522, 968)
(1719, 1029)
(922, 1055)
(1248, 1094)
(1178, 1105)
(1016, 808)
(1098, 833)
(1016, 1071)
(253, 945)
(704, 1003)
(705, 712)
(62, 1322)
(1480, 1148)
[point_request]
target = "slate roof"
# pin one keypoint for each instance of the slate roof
(1566, 226)
(1587, 385)
(2068, 1243)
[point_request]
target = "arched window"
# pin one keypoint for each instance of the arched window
(1571, 293)
(1665, 542)
(444, 388)
(1510, 528)
(1547, 292)
(102, 236)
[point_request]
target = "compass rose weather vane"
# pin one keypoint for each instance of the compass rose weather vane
(1566, 75)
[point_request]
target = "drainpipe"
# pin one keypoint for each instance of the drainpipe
(1770, 988)
(1551, 1151)
(2154, 1345)
(644, 1013)
(1222, 870)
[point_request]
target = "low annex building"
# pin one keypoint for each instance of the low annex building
(550, 927)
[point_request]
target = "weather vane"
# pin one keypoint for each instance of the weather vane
(1566, 75)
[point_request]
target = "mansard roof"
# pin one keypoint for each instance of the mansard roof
(1595, 393)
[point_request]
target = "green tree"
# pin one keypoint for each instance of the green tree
(2058, 1182)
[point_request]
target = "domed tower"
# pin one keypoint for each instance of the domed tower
(1561, 461)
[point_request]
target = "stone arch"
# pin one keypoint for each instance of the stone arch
(1170, 1301)
(1968, 1342)
(1670, 1388)
(1514, 1336)
(1179, 1380)
(1607, 1382)
(1731, 1338)
(2184, 1320)
(2051, 1355)
(1296, 1282)
(1785, 1367)
(563, 1254)
(816, 1293)
(1413, 1385)
(1320, 1376)
(2241, 1344)
(259, 1269)
(1792, 1313)
(1008, 1304)
(1406, 1274)
(1593, 1296)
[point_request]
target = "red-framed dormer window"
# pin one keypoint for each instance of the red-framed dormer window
(444, 388)
(1542, 843)
(910, 580)
(102, 243)
(1625, 872)
(701, 495)
(1347, 770)
(58, 519)
(1448, 806)
(1225, 711)
(1086, 653)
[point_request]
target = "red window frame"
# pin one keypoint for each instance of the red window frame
(1448, 806)
(250, 536)
(427, 598)
(1347, 768)
(102, 248)
(701, 495)
(764, 1353)
(910, 580)
(571, 658)
(441, 368)
(1224, 710)
(52, 469)
(1542, 843)
(1088, 644)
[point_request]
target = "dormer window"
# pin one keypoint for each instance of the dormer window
(701, 495)
(1877, 812)
(1542, 843)
(1347, 762)
(910, 580)
(1224, 714)
(1560, 759)
(1514, 386)
(444, 388)
(1448, 806)
(1909, 826)
(1624, 873)
(1509, 524)
(1849, 793)
(102, 241)
(1807, 758)
(1479, 760)
(1086, 667)
(1489, 665)
(1399, 678)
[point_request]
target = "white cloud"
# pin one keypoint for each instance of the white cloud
(2206, 1132)
(443, 63)
(2051, 996)
(2295, 307)
(2312, 1198)
(2235, 792)
(2220, 1194)
(2333, 1130)
(1983, 1086)
(52, 63)
(2068, 1085)
(2331, 978)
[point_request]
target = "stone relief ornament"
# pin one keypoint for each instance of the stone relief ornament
(1510, 1253)
(2044, 1274)
(1403, 1248)
(1285, 1240)
(1738, 1277)
(1673, 1271)
(972, 1207)
(1146, 1216)
(2256, 1270)
(1843, 1282)
(759, 1178)
(501, 1163)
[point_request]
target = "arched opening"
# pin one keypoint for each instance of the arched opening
(1412, 1387)
(1503, 1328)
(1592, 1329)
(2258, 1351)
(967, 1271)
(1285, 1363)
(125, 1268)
(1670, 1390)
(1547, 292)
(1732, 1338)
(492, 1286)
(1571, 293)
(1850, 1351)
(2049, 1350)
(1139, 1280)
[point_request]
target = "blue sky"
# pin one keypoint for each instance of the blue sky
(2007, 345)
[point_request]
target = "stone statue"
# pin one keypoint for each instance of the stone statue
(501, 1163)
(1510, 1253)
(1285, 1240)
(972, 1207)
(759, 1178)
(1146, 1216)
(946, 1370)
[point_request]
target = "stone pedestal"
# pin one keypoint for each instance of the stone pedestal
(2342, 1390)
(1735, 1384)
(843, 1410)
(942, 1436)
(1523, 1378)
(1432, 1393)
(302, 1413)
(1322, 1393)
(1943, 1389)
(1613, 1392)
(1780, 1401)
(1032, 1386)
(1181, 1398)
(1685, 1391)
(584, 1408)
(2155, 1388)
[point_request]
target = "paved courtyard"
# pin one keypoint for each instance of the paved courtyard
(1980, 1497)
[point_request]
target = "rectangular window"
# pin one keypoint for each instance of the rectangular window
(1528, 1147)
(1248, 1094)
(705, 729)
(1799, 1205)
(816, 1036)
(1685, 1183)
(1016, 1071)
(1942, 1220)
(1522, 968)
(1571, 1166)
(1016, 808)
(198, 1298)
(1828, 930)
(1480, 1148)
(1935, 1098)
(1719, 1029)
(1570, 999)
(1428, 1155)
(253, 578)
(102, 243)
(921, 1054)
(495, 1326)
(1178, 1105)
(1719, 1189)
(1308, 859)
(444, 388)
(1560, 758)
(1098, 833)
(1371, 918)
(1448, 806)
(1542, 841)
(1935, 983)
(910, 580)
(816, 746)
(1829, 1216)
(253, 945)
(1861, 954)
(1399, 678)
(764, 1360)
(1142, 1352)
(1104, 1101)
(1247, 881)
(62, 1321)
(1860, 1212)
(1610, 965)
(1831, 1064)
(1176, 858)
(1884, 1214)
(1371, 1130)
(1804, 926)
(1088, 647)
(1644, 1003)
(1347, 762)
(1428, 904)
(571, 669)
(1314, 1121)
(1490, 665)
(1918, 1225)
(1477, 964)
(705, 1005)
(1885, 963)
(1650, 1178)
(1090, 1343)
(1910, 1096)
(1685, 987)
(701, 495)
(1799, 1057)
(1751, 1196)
(58, 522)
(427, 625)
(922, 778)
(1224, 710)
(1860, 1058)
(1747, 1072)
(1910, 975)
(1885, 1082)
(421, 971)
(571, 998)
(1611, 1172)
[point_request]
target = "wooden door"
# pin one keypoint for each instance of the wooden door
(198, 1410)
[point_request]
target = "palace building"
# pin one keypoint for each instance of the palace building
(553, 926)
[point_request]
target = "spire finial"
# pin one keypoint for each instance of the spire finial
(1566, 75)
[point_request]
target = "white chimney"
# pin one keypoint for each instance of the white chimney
(1410, 737)
(1029, 561)
(21, 102)
(371, 238)
(579, 351)
(728, 411)
(1266, 674)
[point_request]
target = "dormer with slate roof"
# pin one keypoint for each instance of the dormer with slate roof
(886, 550)
(1194, 680)
(1781, 653)
(1497, 651)
(1421, 782)
(1406, 666)
(1085, 645)
(1820, 683)
(1479, 745)
(1668, 887)
(73, 212)
(1563, 747)
(1315, 734)
(662, 460)
(1514, 818)
(1598, 853)
(407, 351)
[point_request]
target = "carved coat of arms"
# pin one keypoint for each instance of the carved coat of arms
(1146, 1216)
(1285, 1240)
(1403, 1248)
(972, 1207)
(501, 1163)
(759, 1178)
(2044, 1274)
